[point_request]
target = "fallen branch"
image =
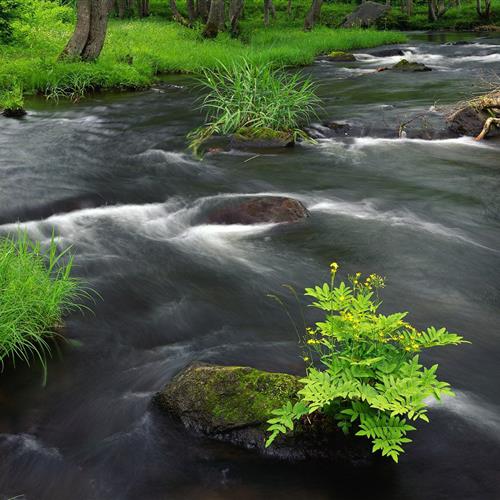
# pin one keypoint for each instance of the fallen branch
(491, 121)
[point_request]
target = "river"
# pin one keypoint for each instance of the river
(111, 176)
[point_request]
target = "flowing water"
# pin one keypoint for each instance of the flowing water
(110, 175)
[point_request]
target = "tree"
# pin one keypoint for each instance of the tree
(486, 12)
(313, 15)
(216, 20)
(90, 31)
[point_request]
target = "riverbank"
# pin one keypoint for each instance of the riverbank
(136, 51)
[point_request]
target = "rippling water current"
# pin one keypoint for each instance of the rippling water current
(111, 176)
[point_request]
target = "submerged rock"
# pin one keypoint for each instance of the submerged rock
(257, 210)
(365, 15)
(233, 404)
(469, 120)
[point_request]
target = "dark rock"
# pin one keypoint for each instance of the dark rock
(14, 113)
(365, 15)
(387, 53)
(411, 67)
(258, 210)
(233, 404)
(469, 121)
(459, 42)
(426, 126)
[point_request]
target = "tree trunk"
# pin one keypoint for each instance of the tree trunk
(215, 20)
(235, 11)
(203, 8)
(143, 8)
(269, 11)
(90, 31)
(98, 27)
(313, 15)
(76, 44)
(409, 7)
(176, 15)
(191, 8)
(289, 8)
(431, 11)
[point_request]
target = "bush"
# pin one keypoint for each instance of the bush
(36, 291)
(369, 377)
(254, 99)
(8, 12)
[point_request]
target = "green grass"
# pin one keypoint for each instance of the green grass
(254, 100)
(11, 96)
(36, 290)
(136, 51)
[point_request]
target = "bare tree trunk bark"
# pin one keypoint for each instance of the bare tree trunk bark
(313, 15)
(191, 8)
(98, 28)
(431, 10)
(76, 44)
(409, 7)
(289, 8)
(203, 8)
(215, 20)
(90, 31)
(235, 11)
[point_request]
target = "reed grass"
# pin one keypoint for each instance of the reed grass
(255, 100)
(36, 291)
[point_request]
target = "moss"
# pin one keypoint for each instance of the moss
(248, 395)
(341, 56)
(261, 133)
(221, 398)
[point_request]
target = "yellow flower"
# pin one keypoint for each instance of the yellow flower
(306, 358)
(311, 341)
(334, 266)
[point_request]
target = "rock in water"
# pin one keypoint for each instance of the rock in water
(233, 404)
(365, 15)
(339, 56)
(387, 52)
(264, 209)
(405, 65)
(468, 121)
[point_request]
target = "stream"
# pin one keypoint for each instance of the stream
(111, 176)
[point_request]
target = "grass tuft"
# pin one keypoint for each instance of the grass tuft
(256, 99)
(36, 291)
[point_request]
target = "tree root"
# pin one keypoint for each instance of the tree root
(487, 126)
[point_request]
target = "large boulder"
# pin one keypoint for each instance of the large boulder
(339, 56)
(409, 67)
(365, 15)
(387, 52)
(259, 210)
(233, 404)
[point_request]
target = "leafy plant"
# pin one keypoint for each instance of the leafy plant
(368, 375)
(9, 10)
(254, 99)
(36, 291)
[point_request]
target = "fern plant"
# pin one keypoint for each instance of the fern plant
(367, 374)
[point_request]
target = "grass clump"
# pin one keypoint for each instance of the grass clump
(254, 101)
(36, 291)
(11, 99)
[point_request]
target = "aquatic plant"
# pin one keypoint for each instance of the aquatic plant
(36, 291)
(363, 367)
(254, 101)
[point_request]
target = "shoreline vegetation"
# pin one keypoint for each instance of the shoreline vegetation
(139, 49)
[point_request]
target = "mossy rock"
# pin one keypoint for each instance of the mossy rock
(262, 138)
(340, 56)
(407, 66)
(233, 404)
